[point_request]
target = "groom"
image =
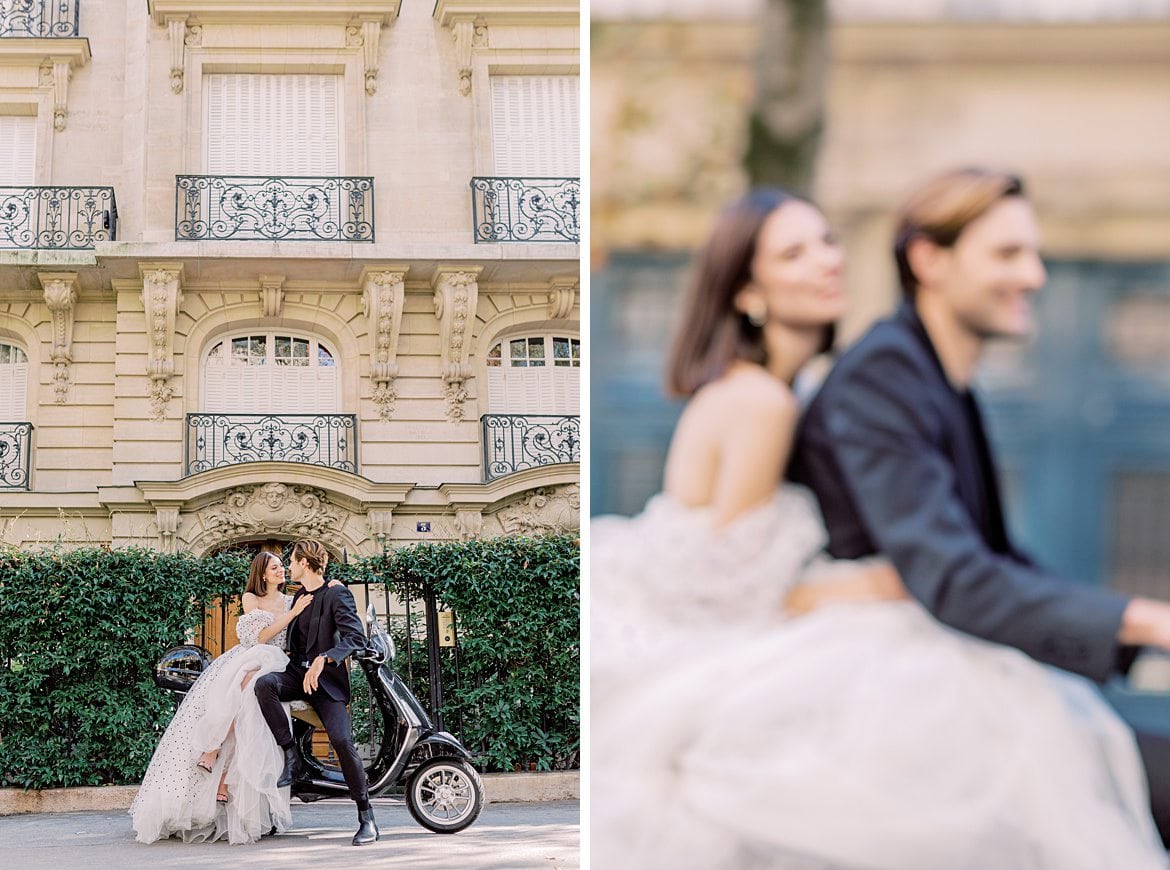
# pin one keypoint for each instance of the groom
(319, 641)
(895, 449)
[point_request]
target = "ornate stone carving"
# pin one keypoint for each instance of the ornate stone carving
(161, 297)
(562, 297)
(468, 524)
(61, 298)
(379, 523)
(463, 32)
(365, 33)
(62, 73)
(271, 294)
(181, 36)
(547, 509)
(274, 508)
(383, 298)
(167, 519)
(456, 296)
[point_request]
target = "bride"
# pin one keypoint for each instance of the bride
(214, 772)
(755, 704)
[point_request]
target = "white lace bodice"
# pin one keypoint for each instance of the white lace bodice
(249, 625)
(669, 562)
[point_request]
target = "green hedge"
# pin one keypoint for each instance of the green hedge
(80, 631)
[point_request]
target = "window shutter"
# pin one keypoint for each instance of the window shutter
(497, 390)
(13, 392)
(272, 124)
(535, 126)
(18, 149)
(566, 391)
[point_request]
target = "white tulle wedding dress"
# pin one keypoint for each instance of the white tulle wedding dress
(863, 735)
(176, 797)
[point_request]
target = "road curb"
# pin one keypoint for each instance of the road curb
(500, 788)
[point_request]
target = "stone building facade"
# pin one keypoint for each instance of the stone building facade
(274, 269)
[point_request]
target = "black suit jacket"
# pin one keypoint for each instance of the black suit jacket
(898, 460)
(335, 631)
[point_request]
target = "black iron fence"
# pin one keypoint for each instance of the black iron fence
(64, 218)
(39, 18)
(514, 442)
(526, 209)
(15, 452)
(215, 440)
(268, 208)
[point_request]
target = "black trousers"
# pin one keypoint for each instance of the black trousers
(272, 689)
(1155, 751)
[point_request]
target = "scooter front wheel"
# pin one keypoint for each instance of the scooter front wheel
(445, 795)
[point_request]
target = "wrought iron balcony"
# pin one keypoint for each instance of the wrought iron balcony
(267, 208)
(526, 209)
(514, 442)
(215, 440)
(39, 18)
(61, 218)
(15, 450)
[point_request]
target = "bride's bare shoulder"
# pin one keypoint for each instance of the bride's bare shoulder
(747, 394)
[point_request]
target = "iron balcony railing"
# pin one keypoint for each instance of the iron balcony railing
(15, 451)
(272, 208)
(526, 209)
(514, 442)
(216, 440)
(39, 18)
(61, 218)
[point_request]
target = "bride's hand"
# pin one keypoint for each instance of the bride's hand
(302, 602)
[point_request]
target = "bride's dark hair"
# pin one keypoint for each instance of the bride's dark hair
(712, 333)
(256, 582)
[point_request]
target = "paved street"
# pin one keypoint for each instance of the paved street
(514, 836)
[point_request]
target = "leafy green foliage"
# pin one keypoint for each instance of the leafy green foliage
(81, 630)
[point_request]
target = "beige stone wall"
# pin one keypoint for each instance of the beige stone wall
(108, 464)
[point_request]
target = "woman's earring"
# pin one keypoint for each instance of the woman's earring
(757, 315)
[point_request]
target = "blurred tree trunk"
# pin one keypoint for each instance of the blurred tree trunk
(788, 115)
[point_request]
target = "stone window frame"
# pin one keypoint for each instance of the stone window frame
(487, 62)
(16, 331)
(344, 62)
(507, 327)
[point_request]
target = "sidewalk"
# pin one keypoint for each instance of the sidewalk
(507, 836)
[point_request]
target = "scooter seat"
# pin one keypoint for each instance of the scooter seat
(310, 717)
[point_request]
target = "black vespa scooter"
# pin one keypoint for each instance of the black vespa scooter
(443, 791)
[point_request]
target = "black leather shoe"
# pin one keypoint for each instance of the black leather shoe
(292, 768)
(367, 831)
(271, 832)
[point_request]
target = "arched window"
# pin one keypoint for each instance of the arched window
(13, 384)
(534, 374)
(271, 372)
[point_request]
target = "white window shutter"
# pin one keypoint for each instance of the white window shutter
(261, 124)
(18, 149)
(13, 392)
(566, 391)
(536, 126)
(498, 390)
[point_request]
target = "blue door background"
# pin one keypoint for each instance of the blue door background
(633, 303)
(1080, 417)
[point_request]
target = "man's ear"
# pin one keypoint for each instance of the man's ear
(927, 261)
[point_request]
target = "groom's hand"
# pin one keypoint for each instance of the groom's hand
(311, 675)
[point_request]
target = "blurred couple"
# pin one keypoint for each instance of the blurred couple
(857, 668)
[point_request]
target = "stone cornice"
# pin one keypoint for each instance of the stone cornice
(541, 13)
(344, 489)
(471, 496)
(275, 11)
